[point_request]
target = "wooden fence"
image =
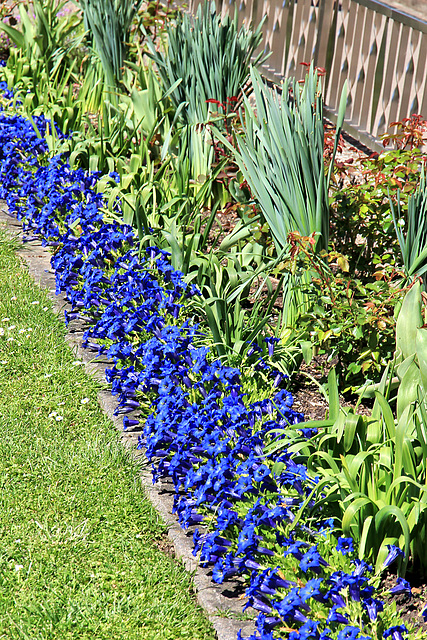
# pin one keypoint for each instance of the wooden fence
(381, 52)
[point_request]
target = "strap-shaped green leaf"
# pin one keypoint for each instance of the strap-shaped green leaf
(367, 538)
(408, 389)
(387, 414)
(352, 423)
(389, 513)
(404, 425)
(421, 351)
(354, 510)
(409, 321)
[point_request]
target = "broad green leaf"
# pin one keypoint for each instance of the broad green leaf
(351, 424)
(409, 321)
(421, 351)
(404, 425)
(393, 513)
(408, 389)
(16, 36)
(404, 366)
(339, 426)
(354, 510)
(326, 457)
(333, 393)
(373, 430)
(387, 414)
(367, 538)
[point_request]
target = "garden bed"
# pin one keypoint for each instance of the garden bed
(46, 225)
(213, 257)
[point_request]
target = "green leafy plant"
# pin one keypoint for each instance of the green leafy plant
(109, 22)
(205, 62)
(149, 103)
(372, 469)
(108, 141)
(38, 92)
(209, 55)
(233, 323)
(45, 37)
(361, 216)
(413, 242)
(348, 320)
(169, 210)
(280, 154)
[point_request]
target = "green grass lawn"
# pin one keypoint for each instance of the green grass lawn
(79, 542)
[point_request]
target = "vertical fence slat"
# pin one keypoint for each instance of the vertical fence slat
(369, 101)
(276, 40)
(327, 15)
(389, 95)
(337, 73)
(359, 63)
(419, 99)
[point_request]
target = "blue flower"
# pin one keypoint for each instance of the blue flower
(396, 632)
(345, 545)
(402, 586)
(393, 553)
(311, 560)
(311, 590)
(336, 616)
(308, 630)
(348, 633)
(373, 607)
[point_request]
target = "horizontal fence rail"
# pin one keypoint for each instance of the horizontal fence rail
(380, 51)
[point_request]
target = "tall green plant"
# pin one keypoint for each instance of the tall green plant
(413, 239)
(45, 36)
(209, 55)
(109, 22)
(280, 153)
(205, 63)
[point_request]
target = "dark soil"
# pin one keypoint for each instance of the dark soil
(410, 607)
(308, 397)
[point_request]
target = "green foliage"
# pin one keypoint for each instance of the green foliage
(170, 211)
(45, 37)
(280, 154)
(149, 105)
(361, 217)
(108, 141)
(166, 207)
(205, 63)
(207, 58)
(109, 23)
(40, 69)
(36, 91)
(349, 320)
(413, 241)
(235, 318)
(372, 469)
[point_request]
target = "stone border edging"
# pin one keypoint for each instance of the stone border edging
(211, 597)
